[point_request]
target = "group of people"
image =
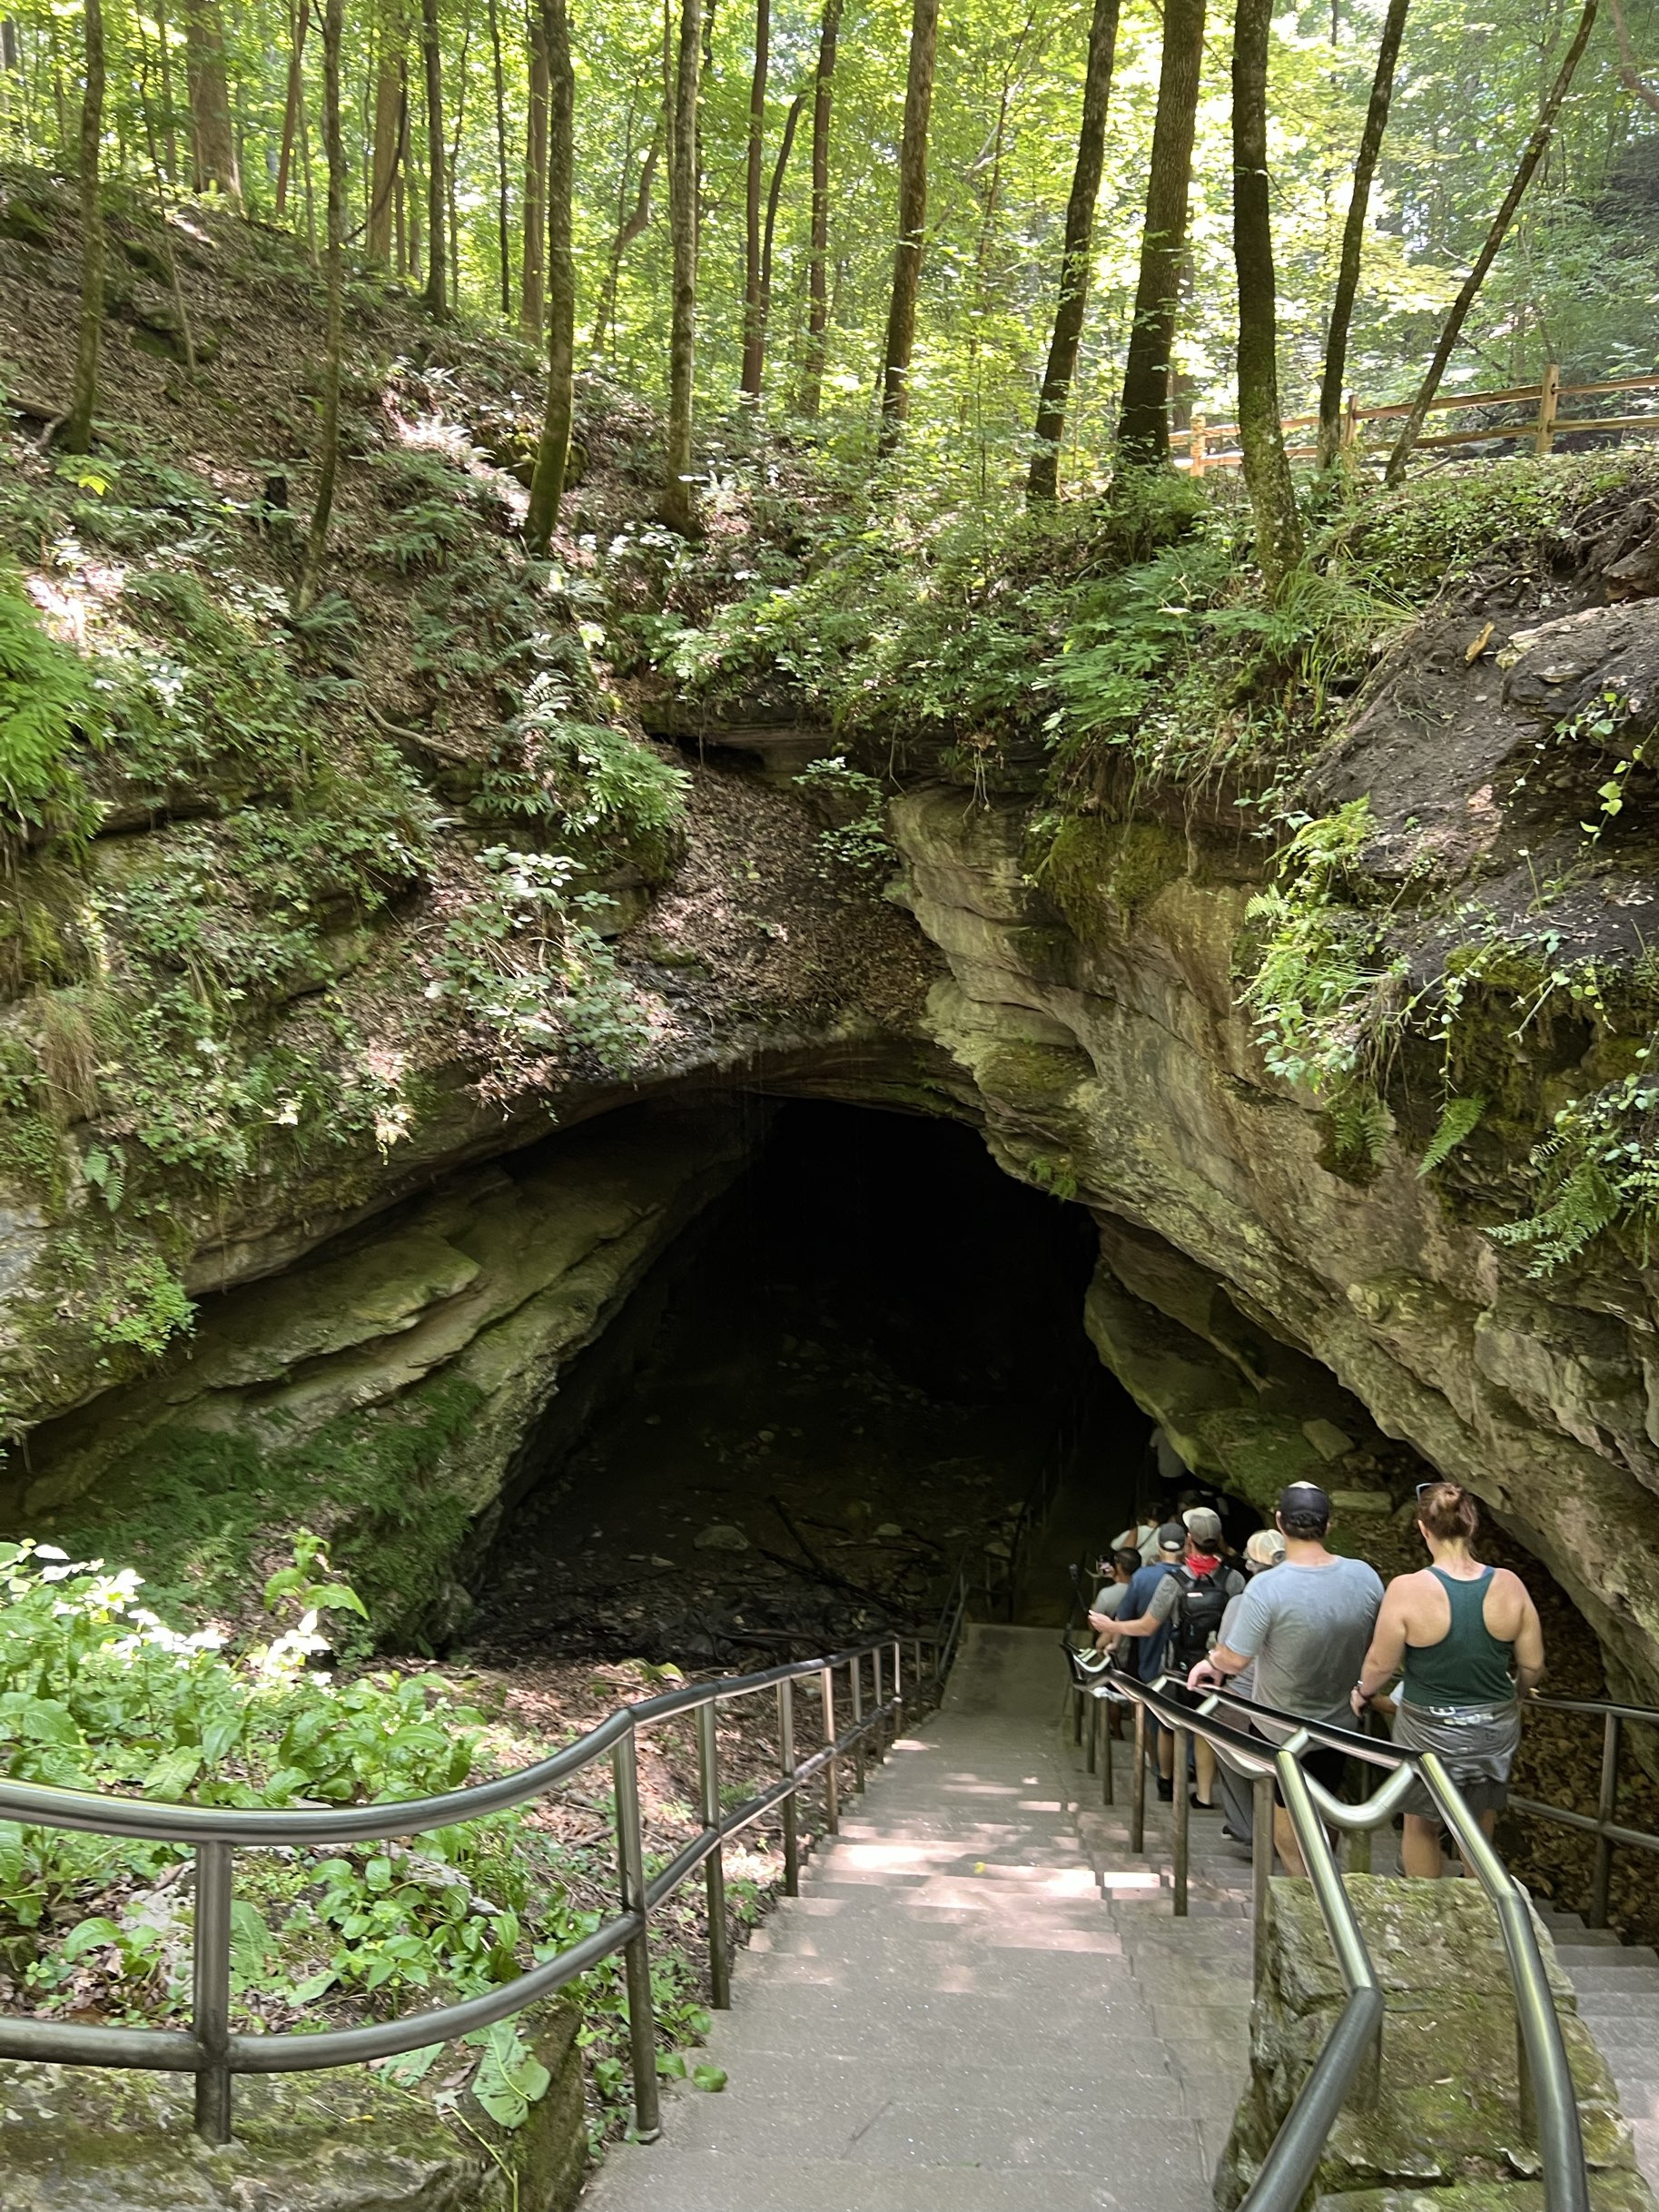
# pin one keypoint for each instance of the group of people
(1313, 1634)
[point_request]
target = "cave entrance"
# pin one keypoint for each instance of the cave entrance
(871, 1354)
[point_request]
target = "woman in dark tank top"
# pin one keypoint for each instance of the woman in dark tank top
(1468, 1638)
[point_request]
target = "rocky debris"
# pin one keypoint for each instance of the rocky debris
(87, 2140)
(1446, 2112)
(721, 1537)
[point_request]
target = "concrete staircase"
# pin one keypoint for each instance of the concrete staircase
(958, 2014)
(981, 2001)
(1618, 2002)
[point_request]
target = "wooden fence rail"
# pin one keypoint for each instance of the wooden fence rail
(1545, 425)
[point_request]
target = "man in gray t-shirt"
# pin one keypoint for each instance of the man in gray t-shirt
(1308, 1626)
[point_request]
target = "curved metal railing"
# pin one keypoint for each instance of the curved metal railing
(215, 2055)
(1603, 1824)
(1347, 2066)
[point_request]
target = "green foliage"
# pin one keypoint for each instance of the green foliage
(1599, 1170)
(96, 1692)
(195, 1508)
(144, 1305)
(47, 707)
(601, 790)
(1324, 992)
(858, 840)
(522, 964)
(1455, 1126)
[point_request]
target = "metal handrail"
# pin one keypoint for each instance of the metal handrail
(1340, 2070)
(1603, 1823)
(209, 2050)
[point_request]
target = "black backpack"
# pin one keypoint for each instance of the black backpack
(1201, 1600)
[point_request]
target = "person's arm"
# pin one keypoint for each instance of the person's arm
(1161, 1606)
(1383, 1660)
(1529, 1647)
(1217, 1664)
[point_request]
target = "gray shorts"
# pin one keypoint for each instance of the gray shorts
(1475, 1744)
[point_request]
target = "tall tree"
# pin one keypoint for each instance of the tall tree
(437, 294)
(1043, 482)
(632, 221)
(1353, 233)
(503, 192)
(213, 133)
(817, 250)
(912, 224)
(679, 507)
(390, 94)
(1543, 130)
(292, 103)
(1266, 471)
(1630, 77)
(532, 291)
(317, 538)
(553, 454)
(77, 430)
(754, 340)
(774, 194)
(1143, 420)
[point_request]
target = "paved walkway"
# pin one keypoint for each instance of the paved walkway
(960, 2013)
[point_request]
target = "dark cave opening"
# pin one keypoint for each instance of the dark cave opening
(870, 1356)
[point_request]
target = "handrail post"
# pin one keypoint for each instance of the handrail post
(1088, 1710)
(898, 1688)
(714, 1866)
(1183, 1818)
(832, 1780)
(1108, 1788)
(1549, 396)
(1606, 1810)
(1077, 1712)
(786, 1769)
(213, 1990)
(637, 1953)
(855, 1668)
(877, 1725)
(1196, 446)
(1137, 1818)
(1262, 1872)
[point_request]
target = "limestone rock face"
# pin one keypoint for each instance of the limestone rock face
(1250, 1294)
(1446, 2114)
(79, 2139)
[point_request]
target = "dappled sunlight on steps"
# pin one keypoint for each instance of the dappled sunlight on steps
(956, 2015)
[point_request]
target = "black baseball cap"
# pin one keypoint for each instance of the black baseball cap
(1304, 1501)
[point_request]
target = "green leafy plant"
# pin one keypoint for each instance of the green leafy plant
(48, 706)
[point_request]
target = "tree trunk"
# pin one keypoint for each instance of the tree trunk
(451, 174)
(1266, 471)
(679, 507)
(553, 454)
(77, 430)
(212, 136)
(1043, 482)
(388, 141)
(792, 122)
(1353, 234)
(912, 224)
(437, 294)
(817, 252)
(1630, 77)
(291, 106)
(754, 340)
(533, 292)
(317, 538)
(1542, 130)
(1144, 422)
(503, 191)
(633, 222)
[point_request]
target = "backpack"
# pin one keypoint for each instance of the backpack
(1201, 1600)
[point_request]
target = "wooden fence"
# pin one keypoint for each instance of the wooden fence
(1543, 428)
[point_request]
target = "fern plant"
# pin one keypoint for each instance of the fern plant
(47, 705)
(1455, 1126)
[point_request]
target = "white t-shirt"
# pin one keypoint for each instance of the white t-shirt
(1143, 1539)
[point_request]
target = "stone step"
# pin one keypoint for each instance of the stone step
(1619, 2004)
(1630, 1981)
(1614, 1957)
(714, 2183)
